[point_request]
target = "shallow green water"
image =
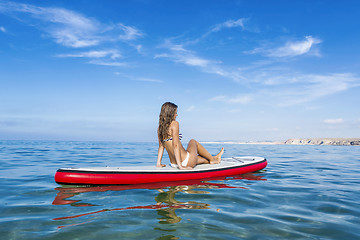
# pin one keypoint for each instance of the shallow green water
(306, 192)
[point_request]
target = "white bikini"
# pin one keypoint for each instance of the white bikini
(184, 163)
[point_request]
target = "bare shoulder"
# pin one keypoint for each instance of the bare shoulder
(174, 127)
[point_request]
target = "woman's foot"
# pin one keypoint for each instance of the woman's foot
(217, 158)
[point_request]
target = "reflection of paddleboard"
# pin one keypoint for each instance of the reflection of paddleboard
(149, 174)
(66, 192)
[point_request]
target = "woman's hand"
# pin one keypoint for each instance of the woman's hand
(160, 165)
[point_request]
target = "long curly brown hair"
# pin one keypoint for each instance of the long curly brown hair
(167, 115)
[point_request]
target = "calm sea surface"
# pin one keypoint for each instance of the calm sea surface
(306, 192)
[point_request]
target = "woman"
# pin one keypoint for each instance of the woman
(169, 138)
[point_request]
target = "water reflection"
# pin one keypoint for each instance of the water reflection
(166, 203)
(167, 197)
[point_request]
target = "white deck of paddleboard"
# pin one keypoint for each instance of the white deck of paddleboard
(225, 163)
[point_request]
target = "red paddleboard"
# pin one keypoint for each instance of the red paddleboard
(151, 174)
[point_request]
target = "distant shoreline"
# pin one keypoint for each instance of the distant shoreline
(299, 141)
(324, 141)
(235, 142)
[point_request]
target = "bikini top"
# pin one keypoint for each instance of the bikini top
(169, 139)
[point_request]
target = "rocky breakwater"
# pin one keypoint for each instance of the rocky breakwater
(324, 141)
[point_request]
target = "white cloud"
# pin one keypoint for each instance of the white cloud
(290, 88)
(290, 49)
(70, 28)
(185, 57)
(192, 60)
(190, 109)
(334, 121)
(179, 54)
(295, 48)
(234, 100)
(73, 39)
(129, 33)
(107, 63)
(218, 27)
(144, 79)
(141, 79)
(302, 88)
(74, 30)
(139, 48)
(229, 24)
(113, 54)
(2, 29)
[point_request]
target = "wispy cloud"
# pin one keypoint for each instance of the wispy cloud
(107, 63)
(140, 79)
(334, 121)
(74, 30)
(190, 108)
(302, 88)
(138, 48)
(240, 99)
(144, 79)
(67, 27)
(239, 23)
(290, 49)
(291, 88)
(177, 53)
(98, 57)
(113, 54)
(187, 58)
(229, 24)
(318, 86)
(129, 33)
(2, 29)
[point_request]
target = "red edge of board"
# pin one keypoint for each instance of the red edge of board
(92, 178)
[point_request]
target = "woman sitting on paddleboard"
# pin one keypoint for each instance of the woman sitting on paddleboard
(169, 138)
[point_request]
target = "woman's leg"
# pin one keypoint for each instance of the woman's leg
(192, 150)
(204, 153)
(201, 155)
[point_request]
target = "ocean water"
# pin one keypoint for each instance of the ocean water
(306, 192)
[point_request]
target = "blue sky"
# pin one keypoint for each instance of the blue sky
(238, 70)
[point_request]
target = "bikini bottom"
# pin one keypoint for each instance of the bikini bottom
(184, 163)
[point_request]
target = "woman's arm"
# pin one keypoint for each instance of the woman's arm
(160, 155)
